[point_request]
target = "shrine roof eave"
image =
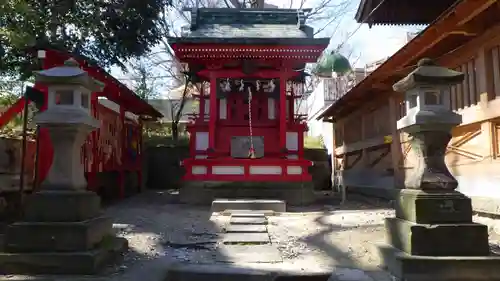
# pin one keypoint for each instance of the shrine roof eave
(250, 41)
(425, 44)
(114, 89)
(401, 12)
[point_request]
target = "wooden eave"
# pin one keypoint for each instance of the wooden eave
(304, 53)
(401, 12)
(440, 41)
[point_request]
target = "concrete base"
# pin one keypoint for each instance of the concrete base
(86, 262)
(248, 254)
(266, 272)
(430, 268)
(438, 239)
(241, 228)
(231, 213)
(62, 206)
(221, 205)
(248, 221)
(204, 192)
(246, 238)
(57, 236)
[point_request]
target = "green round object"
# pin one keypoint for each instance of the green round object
(332, 63)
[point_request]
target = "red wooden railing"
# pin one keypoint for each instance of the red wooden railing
(12, 111)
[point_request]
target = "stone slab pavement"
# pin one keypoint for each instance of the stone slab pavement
(247, 220)
(248, 254)
(246, 228)
(253, 238)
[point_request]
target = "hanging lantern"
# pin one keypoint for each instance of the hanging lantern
(332, 63)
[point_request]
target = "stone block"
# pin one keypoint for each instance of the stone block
(433, 207)
(438, 239)
(204, 192)
(431, 268)
(248, 214)
(246, 238)
(265, 213)
(246, 228)
(56, 236)
(204, 272)
(85, 262)
(62, 206)
(220, 205)
(254, 221)
(248, 253)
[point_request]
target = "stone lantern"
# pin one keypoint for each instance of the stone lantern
(68, 121)
(63, 230)
(429, 121)
(432, 236)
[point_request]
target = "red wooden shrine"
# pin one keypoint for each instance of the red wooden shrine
(246, 128)
(112, 152)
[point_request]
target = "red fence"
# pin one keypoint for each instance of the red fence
(116, 146)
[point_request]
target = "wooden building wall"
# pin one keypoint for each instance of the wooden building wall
(473, 154)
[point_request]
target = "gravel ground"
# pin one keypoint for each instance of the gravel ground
(160, 232)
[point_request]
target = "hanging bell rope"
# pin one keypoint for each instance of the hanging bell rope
(251, 151)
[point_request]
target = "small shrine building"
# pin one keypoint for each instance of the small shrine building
(249, 67)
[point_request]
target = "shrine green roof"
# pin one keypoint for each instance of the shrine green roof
(249, 26)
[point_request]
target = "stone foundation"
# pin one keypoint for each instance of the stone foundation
(63, 232)
(433, 237)
(204, 192)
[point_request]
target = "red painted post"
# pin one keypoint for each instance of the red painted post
(92, 173)
(213, 111)
(282, 112)
(121, 173)
(139, 155)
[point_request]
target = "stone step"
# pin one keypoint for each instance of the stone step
(248, 254)
(237, 213)
(248, 214)
(246, 228)
(221, 205)
(229, 272)
(246, 238)
(244, 220)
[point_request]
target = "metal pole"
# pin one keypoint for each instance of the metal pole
(23, 153)
(37, 149)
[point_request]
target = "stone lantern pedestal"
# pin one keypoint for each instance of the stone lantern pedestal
(63, 230)
(432, 236)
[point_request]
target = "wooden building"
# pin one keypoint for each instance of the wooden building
(465, 37)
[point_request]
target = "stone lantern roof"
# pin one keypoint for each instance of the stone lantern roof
(428, 73)
(69, 73)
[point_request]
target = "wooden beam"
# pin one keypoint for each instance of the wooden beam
(488, 39)
(473, 13)
(234, 73)
(463, 13)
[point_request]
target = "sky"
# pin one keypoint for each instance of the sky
(366, 44)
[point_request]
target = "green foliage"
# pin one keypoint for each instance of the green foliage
(107, 31)
(313, 142)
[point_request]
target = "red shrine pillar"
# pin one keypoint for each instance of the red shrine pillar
(201, 110)
(213, 111)
(282, 111)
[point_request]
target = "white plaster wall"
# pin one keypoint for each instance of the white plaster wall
(315, 102)
(480, 186)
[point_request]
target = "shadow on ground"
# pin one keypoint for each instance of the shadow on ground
(161, 232)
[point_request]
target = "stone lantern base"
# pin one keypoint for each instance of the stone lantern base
(63, 232)
(433, 237)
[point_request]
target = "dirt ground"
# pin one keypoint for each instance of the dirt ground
(323, 236)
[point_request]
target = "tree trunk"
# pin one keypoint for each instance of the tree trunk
(175, 132)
